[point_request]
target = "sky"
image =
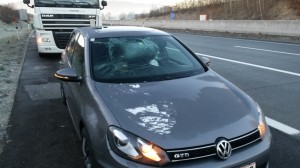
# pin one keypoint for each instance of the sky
(115, 7)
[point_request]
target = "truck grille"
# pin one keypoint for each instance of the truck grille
(63, 24)
(65, 21)
(210, 149)
(61, 38)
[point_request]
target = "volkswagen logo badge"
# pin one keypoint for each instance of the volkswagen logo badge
(223, 149)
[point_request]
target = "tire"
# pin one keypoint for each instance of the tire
(63, 96)
(89, 161)
(42, 55)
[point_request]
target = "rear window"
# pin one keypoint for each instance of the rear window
(141, 59)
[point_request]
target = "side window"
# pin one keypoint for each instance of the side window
(71, 44)
(77, 59)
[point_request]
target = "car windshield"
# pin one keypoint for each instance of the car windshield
(141, 59)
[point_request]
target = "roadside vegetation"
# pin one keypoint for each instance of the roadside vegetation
(8, 14)
(229, 10)
(11, 60)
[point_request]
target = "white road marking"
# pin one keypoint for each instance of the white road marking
(282, 127)
(252, 65)
(273, 51)
(240, 39)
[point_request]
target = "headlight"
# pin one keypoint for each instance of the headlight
(262, 126)
(134, 148)
(43, 40)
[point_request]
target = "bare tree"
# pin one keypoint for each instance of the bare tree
(261, 14)
(8, 14)
(122, 16)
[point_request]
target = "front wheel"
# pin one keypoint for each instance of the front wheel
(63, 96)
(86, 150)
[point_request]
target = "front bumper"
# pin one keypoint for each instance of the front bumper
(46, 43)
(49, 49)
(257, 152)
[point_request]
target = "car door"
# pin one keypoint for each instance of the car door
(76, 88)
(66, 63)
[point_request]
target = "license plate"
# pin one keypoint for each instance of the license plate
(252, 165)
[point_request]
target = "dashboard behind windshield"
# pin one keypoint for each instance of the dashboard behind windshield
(68, 3)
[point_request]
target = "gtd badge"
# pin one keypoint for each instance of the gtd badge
(181, 155)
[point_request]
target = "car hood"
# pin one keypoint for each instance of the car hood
(180, 113)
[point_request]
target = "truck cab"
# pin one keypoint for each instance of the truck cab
(55, 20)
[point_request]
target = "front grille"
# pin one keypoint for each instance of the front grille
(63, 24)
(244, 139)
(210, 149)
(66, 21)
(52, 24)
(69, 16)
(61, 38)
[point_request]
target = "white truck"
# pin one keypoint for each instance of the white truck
(54, 20)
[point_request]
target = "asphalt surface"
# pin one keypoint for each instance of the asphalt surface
(40, 131)
(41, 134)
(277, 93)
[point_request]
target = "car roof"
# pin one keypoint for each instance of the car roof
(118, 31)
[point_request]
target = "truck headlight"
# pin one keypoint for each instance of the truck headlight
(135, 148)
(43, 40)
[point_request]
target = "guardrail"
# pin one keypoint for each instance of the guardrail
(271, 27)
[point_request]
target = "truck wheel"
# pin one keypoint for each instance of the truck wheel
(42, 54)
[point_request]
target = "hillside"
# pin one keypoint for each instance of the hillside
(230, 10)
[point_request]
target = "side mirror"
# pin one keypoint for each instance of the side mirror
(26, 2)
(205, 60)
(103, 3)
(67, 75)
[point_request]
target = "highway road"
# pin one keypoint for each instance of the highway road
(270, 73)
(41, 133)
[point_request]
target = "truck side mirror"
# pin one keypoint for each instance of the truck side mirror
(26, 2)
(103, 3)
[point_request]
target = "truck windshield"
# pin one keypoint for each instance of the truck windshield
(68, 3)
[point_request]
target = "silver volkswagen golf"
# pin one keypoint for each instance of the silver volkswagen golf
(140, 98)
